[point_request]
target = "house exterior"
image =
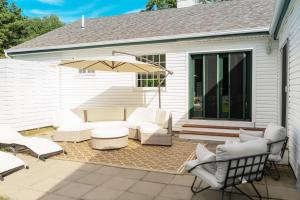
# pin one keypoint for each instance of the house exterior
(285, 29)
(225, 68)
(231, 61)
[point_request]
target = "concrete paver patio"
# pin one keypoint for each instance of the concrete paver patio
(68, 180)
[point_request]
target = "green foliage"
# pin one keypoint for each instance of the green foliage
(211, 1)
(163, 4)
(16, 28)
(160, 4)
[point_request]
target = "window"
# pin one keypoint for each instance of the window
(86, 71)
(151, 79)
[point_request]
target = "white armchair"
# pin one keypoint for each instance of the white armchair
(232, 165)
(277, 141)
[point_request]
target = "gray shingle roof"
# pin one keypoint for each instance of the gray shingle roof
(201, 18)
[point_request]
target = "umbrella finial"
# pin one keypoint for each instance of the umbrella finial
(82, 22)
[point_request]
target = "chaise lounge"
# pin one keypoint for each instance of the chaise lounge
(9, 164)
(39, 147)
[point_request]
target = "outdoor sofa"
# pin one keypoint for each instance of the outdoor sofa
(40, 147)
(149, 125)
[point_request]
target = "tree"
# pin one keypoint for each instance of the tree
(160, 4)
(16, 28)
(211, 1)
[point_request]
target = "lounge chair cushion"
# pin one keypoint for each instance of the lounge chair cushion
(150, 128)
(7, 134)
(162, 118)
(204, 155)
(274, 133)
(203, 174)
(105, 114)
(141, 115)
(230, 151)
(9, 162)
(39, 146)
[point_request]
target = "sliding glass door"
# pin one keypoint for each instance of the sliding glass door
(220, 86)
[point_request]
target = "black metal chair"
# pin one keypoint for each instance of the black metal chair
(248, 169)
(272, 163)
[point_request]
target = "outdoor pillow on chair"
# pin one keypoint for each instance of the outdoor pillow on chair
(237, 150)
(245, 136)
(275, 133)
(204, 155)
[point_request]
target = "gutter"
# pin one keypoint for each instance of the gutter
(159, 39)
(280, 11)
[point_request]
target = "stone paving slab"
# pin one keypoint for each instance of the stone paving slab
(68, 180)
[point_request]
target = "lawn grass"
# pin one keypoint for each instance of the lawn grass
(38, 131)
(4, 198)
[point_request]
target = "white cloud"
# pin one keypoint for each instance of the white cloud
(52, 2)
(134, 11)
(39, 12)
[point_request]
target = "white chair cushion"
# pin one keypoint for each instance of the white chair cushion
(230, 151)
(141, 115)
(274, 133)
(162, 118)
(204, 155)
(275, 158)
(203, 174)
(150, 128)
(245, 138)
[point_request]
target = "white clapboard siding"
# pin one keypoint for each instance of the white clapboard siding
(105, 89)
(28, 94)
(290, 30)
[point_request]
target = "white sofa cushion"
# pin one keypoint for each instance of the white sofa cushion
(140, 115)
(203, 174)
(66, 118)
(230, 151)
(252, 133)
(162, 118)
(204, 155)
(150, 128)
(274, 133)
(105, 114)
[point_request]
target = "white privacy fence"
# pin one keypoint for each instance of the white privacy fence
(28, 93)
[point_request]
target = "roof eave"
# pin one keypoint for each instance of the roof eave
(279, 13)
(260, 30)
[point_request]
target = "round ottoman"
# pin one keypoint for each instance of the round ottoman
(109, 138)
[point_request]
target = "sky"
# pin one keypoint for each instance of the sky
(71, 10)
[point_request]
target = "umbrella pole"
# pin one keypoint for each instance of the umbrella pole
(159, 92)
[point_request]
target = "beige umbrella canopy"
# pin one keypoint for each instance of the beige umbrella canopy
(118, 64)
(113, 64)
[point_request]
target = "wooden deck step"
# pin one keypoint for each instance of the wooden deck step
(221, 127)
(220, 134)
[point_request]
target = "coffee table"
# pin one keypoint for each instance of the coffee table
(106, 138)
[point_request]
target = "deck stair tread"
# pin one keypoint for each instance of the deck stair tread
(214, 130)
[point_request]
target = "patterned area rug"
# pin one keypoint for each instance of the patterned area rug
(135, 156)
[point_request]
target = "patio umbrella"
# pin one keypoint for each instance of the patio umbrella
(119, 64)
